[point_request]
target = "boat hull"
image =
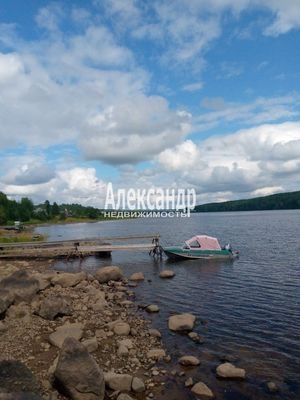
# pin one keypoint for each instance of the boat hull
(177, 253)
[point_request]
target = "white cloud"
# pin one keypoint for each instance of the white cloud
(184, 157)
(230, 70)
(267, 191)
(85, 87)
(259, 111)
(133, 130)
(61, 95)
(241, 163)
(189, 27)
(49, 17)
(287, 14)
(124, 14)
(10, 66)
(25, 170)
(193, 87)
(75, 185)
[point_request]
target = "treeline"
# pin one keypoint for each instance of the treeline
(280, 201)
(25, 211)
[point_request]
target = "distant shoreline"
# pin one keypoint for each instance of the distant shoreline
(279, 201)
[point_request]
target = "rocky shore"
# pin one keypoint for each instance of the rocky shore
(81, 336)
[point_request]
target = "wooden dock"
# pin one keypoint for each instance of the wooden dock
(77, 248)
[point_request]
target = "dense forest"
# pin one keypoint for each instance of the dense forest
(25, 211)
(280, 201)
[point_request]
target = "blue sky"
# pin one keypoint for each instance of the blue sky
(197, 94)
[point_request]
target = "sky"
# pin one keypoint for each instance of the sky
(180, 94)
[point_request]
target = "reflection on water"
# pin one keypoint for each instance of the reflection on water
(248, 310)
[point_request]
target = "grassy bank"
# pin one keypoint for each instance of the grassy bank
(26, 234)
(14, 236)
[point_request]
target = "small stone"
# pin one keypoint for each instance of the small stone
(152, 308)
(110, 273)
(196, 338)
(229, 371)
(101, 334)
(121, 328)
(272, 387)
(189, 382)
(91, 344)
(99, 305)
(126, 303)
(127, 343)
(154, 333)
(167, 274)
(137, 385)
(193, 335)
(133, 332)
(201, 389)
(137, 276)
(122, 350)
(120, 382)
(189, 361)
(124, 396)
(156, 354)
(181, 322)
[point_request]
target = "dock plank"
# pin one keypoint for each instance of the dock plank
(75, 248)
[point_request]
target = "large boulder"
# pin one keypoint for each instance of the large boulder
(182, 322)
(67, 279)
(54, 306)
(106, 274)
(44, 279)
(58, 337)
(20, 396)
(21, 285)
(20, 311)
(17, 382)
(229, 371)
(6, 299)
(77, 373)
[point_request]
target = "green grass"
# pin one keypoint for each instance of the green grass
(19, 237)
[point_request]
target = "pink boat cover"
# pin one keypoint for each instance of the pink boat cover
(205, 242)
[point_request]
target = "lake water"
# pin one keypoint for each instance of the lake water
(248, 309)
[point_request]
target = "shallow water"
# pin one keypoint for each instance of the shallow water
(248, 309)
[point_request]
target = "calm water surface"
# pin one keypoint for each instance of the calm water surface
(248, 309)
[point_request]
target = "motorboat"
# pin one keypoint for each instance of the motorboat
(201, 247)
